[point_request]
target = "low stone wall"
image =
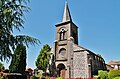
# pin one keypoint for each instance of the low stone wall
(63, 78)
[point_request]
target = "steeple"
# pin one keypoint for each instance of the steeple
(66, 15)
(66, 28)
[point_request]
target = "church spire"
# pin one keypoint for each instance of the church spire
(66, 15)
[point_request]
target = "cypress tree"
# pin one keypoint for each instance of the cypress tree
(18, 63)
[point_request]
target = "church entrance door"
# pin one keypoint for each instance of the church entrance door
(61, 70)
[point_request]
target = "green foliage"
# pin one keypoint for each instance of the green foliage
(12, 17)
(103, 74)
(43, 58)
(18, 63)
(39, 73)
(34, 77)
(117, 77)
(59, 78)
(3, 76)
(1, 67)
(113, 73)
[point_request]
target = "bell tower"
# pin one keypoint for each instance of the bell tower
(66, 36)
(66, 28)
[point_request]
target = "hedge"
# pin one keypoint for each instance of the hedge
(113, 73)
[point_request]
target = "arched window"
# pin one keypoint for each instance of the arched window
(62, 34)
(62, 52)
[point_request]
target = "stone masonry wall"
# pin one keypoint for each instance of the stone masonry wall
(80, 65)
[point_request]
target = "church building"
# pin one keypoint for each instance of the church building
(69, 60)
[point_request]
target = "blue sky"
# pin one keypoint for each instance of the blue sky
(98, 22)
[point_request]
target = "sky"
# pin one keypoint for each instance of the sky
(98, 22)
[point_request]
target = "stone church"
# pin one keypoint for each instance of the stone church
(69, 60)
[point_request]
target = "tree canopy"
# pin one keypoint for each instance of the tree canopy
(12, 17)
(18, 63)
(42, 60)
(1, 67)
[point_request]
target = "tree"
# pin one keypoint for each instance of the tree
(1, 67)
(18, 63)
(42, 60)
(12, 17)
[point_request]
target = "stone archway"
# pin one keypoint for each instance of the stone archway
(61, 70)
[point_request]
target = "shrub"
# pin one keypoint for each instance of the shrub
(117, 77)
(34, 77)
(59, 78)
(103, 74)
(3, 76)
(113, 73)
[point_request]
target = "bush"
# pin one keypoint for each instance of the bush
(34, 77)
(102, 74)
(59, 78)
(3, 76)
(117, 77)
(113, 73)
